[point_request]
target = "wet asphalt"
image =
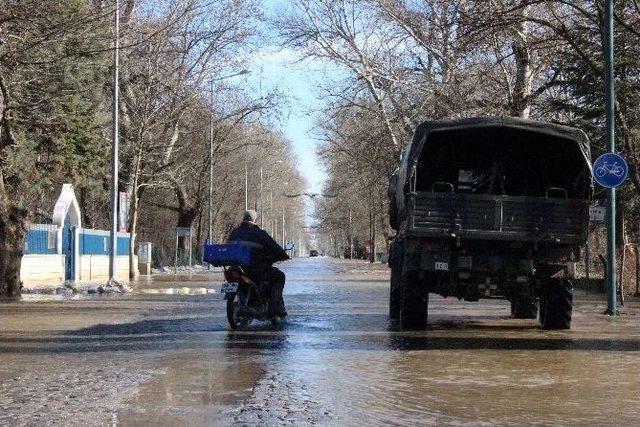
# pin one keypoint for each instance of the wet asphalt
(164, 355)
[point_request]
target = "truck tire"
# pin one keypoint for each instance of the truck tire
(524, 307)
(395, 286)
(414, 306)
(556, 304)
(542, 310)
(395, 293)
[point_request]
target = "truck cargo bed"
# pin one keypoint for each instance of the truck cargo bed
(475, 216)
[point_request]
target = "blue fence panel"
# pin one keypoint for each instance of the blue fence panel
(122, 245)
(40, 239)
(98, 242)
(94, 244)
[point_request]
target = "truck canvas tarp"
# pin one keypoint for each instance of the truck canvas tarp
(528, 180)
(489, 208)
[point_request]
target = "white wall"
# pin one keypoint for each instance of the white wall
(49, 269)
(96, 267)
(41, 269)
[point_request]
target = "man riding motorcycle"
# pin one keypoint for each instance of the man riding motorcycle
(265, 251)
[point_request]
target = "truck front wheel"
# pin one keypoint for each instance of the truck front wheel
(556, 304)
(414, 306)
(395, 292)
(395, 288)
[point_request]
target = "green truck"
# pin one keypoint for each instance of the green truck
(492, 207)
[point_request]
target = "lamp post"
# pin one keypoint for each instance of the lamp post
(246, 184)
(210, 230)
(282, 206)
(211, 132)
(114, 149)
(271, 214)
(261, 203)
(283, 234)
(350, 236)
(372, 229)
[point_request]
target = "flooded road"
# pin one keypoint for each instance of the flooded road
(164, 356)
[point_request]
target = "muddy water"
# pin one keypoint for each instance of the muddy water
(168, 359)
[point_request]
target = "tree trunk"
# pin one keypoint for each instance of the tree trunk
(520, 103)
(13, 228)
(186, 217)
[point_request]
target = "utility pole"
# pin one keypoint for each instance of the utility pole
(246, 185)
(350, 236)
(114, 150)
(272, 214)
(611, 144)
(211, 133)
(210, 232)
(261, 202)
(372, 233)
(283, 235)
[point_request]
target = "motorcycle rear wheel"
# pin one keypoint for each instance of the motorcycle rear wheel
(236, 321)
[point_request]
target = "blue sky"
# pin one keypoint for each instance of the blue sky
(276, 67)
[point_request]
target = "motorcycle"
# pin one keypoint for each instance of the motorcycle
(246, 299)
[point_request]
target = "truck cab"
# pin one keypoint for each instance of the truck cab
(489, 208)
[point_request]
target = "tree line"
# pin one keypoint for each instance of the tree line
(405, 61)
(183, 110)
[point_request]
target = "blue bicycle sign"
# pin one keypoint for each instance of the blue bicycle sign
(610, 170)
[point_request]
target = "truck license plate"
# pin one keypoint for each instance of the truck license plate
(442, 266)
(228, 288)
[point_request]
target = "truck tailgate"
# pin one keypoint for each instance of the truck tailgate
(498, 217)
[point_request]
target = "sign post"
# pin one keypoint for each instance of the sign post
(610, 170)
(609, 89)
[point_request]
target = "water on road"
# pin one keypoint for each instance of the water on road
(164, 356)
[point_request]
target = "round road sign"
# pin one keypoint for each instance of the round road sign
(610, 170)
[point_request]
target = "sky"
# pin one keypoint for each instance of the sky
(275, 67)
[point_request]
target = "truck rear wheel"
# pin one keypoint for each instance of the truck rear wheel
(395, 293)
(556, 304)
(524, 307)
(414, 306)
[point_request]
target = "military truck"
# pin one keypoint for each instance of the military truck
(489, 208)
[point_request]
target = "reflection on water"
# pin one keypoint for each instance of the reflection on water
(209, 381)
(473, 366)
(517, 387)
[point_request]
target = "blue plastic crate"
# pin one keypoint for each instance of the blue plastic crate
(227, 254)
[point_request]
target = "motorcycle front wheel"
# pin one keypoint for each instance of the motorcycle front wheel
(234, 316)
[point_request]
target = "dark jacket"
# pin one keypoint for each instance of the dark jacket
(265, 251)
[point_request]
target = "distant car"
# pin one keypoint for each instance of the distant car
(313, 252)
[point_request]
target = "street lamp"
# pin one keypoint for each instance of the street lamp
(114, 148)
(261, 206)
(283, 233)
(211, 132)
(350, 236)
(246, 183)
